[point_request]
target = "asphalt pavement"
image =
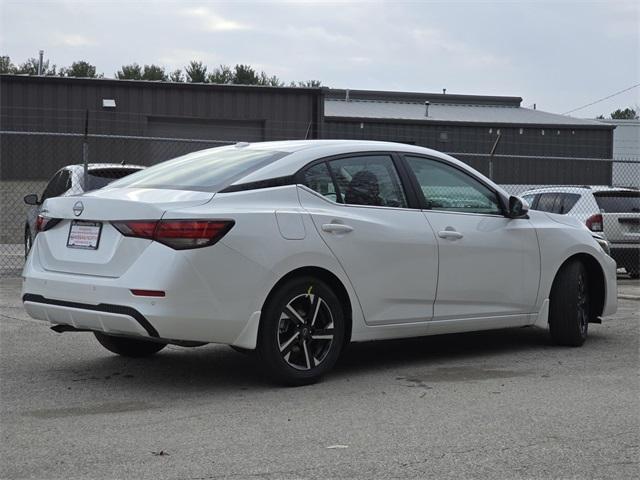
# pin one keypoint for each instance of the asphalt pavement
(502, 404)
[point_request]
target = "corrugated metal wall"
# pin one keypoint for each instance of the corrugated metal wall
(518, 154)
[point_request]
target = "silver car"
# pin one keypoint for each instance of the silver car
(612, 212)
(67, 181)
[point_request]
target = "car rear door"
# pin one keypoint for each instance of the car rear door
(361, 211)
(489, 264)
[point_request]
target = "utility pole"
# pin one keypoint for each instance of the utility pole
(40, 61)
(85, 152)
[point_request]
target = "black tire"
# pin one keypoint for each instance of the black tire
(129, 347)
(569, 309)
(301, 332)
(27, 242)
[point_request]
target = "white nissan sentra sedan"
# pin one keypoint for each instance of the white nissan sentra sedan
(296, 248)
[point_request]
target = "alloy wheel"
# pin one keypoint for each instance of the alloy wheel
(305, 331)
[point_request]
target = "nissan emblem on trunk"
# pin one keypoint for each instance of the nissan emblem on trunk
(78, 208)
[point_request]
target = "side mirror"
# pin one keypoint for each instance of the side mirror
(31, 199)
(518, 207)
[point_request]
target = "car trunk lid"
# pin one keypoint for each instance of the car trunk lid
(111, 254)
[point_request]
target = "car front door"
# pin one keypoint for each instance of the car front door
(489, 264)
(361, 211)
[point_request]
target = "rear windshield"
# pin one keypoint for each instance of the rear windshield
(618, 202)
(207, 170)
(99, 177)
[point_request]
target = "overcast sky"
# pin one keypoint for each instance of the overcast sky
(557, 54)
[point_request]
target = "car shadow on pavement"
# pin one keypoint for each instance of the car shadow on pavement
(216, 368)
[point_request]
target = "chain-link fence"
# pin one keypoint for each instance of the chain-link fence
(602, 193)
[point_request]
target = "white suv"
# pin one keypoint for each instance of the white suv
(612, 212)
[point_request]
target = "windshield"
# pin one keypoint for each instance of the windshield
(618, 202)
(207, 170)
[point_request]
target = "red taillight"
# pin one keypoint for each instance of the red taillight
(594, 223)
(45, 223)
(137, 228)
(177, 234)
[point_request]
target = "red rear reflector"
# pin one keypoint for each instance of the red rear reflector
(177, 234)
(148, 293)
(594, 223)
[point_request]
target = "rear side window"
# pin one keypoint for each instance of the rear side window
(567, 202)
(209, 170)
(555, 202)
(361, 180)
(548, 202)
(318, 179)
(618, 202)
(368, 180)
(100, 177)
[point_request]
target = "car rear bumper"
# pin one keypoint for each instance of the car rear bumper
(626, 255)
(116, 319)
(197, 306)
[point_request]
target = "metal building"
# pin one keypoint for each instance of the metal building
(529, 146)
(146, 122)
(145, 109)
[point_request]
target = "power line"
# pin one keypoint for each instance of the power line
(602, 99)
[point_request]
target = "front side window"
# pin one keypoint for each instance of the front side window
(60, 183)
(51, 187)
(529, 199)
(368, 180)
(449, 189)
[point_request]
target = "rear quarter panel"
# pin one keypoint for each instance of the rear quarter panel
(274, 252)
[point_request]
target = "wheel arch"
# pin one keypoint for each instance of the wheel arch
(332, 282)
(596, 277)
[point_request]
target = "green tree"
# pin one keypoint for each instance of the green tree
(196, 72)
(6, 66)
(154, 72)
(245, 75)
(80, 69)
(176, 76)
(271, 81)
(308, 84)
(221, 75)
(130, 72)
(626, 114)
(30, 67)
